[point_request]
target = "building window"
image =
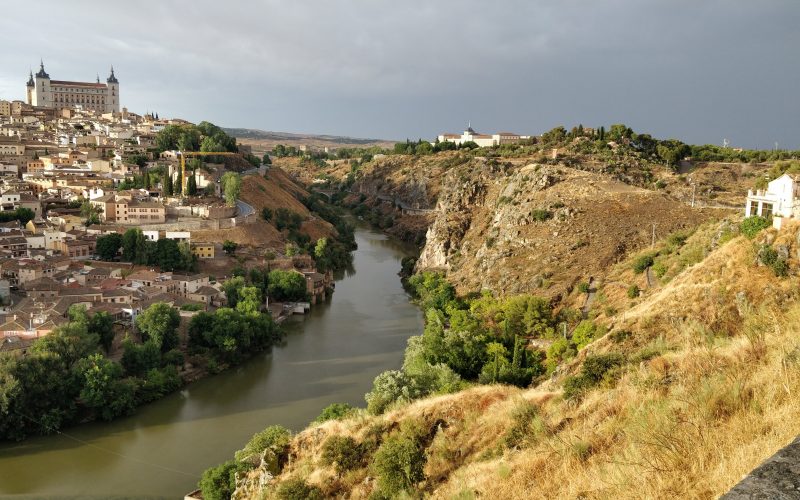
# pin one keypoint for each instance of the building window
(766, 210)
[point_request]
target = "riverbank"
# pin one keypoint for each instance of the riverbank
(330, 355)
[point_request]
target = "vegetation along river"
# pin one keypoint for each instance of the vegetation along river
(330, 355)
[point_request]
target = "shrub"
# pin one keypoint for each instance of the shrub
(633, 291)
(583, 287)
(390, 387)
(767, 255)
(540, 215)
(218, 483)
(526, 423)
(335, 411)
(298, 489)
(751, 226)
(595, 369)
(780, 268)
(585, 333)
(398, 464)
(342, 452)
(642, 263)
(659, 269)
(275, 438)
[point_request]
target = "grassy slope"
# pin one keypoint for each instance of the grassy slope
(707, 392)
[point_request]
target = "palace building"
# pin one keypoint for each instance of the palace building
(60, 94)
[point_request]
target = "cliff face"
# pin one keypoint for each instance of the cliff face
(541, 228)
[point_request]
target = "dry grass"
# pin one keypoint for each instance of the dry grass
(708, 392)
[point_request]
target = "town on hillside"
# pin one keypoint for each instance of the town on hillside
(82, 177)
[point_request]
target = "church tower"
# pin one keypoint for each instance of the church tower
(29, 87)
(112, 98)
(42, 93)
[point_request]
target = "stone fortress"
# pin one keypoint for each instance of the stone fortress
(59, 94)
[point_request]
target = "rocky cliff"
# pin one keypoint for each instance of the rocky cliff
(542, 228)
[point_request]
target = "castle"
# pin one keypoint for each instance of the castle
(59, 94)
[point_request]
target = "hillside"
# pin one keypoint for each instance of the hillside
(275, 190)
(262, 141)
(529, 223)
(692, 387)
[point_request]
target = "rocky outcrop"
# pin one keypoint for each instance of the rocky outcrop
(777, 478)
(540, 228)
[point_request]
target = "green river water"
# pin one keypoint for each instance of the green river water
(330, 355)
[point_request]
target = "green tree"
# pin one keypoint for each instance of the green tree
(107, 246)
(231, 187)
(159, 324)
(23, 215)
(229, 247)
(166, 183)
(177, 186)
(138, 359)
(390, 387)
(218, 483)
(90, 213)
(287, 285)
(335, 411)
(168, 255)
(134, 246)
(249, 302)
(191, 184)
(103, 391)
(232, 289)
(399, 464)
(498, 363)
(102, 324)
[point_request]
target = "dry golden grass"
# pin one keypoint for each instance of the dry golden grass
(710, 390)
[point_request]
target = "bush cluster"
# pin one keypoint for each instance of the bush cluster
(595, 369)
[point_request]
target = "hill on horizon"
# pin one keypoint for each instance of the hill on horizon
(262, 140)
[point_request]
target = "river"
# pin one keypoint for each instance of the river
(330, 355)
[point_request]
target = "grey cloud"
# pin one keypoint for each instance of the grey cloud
(697, 70)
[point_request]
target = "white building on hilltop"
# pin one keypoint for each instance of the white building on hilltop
(59, 94)
(483, 140)
(780, 199)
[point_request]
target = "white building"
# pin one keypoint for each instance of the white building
(780, 199)
(483, 140)
(60, 94)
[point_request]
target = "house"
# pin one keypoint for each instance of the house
(205, 294)
(316, 285)
(203, 250)
(78, 248)
(483, 140)
(780, 199)
(187, 284)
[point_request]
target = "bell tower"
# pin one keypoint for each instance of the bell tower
(112, 98)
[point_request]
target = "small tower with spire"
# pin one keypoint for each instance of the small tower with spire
(41, 94)
(112, 98)
(29, 87)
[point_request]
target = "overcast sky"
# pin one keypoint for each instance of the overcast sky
(696, 70)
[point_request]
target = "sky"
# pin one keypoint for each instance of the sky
(697, 70)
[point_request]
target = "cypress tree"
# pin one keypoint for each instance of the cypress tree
(191, 185)
(167, 184)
